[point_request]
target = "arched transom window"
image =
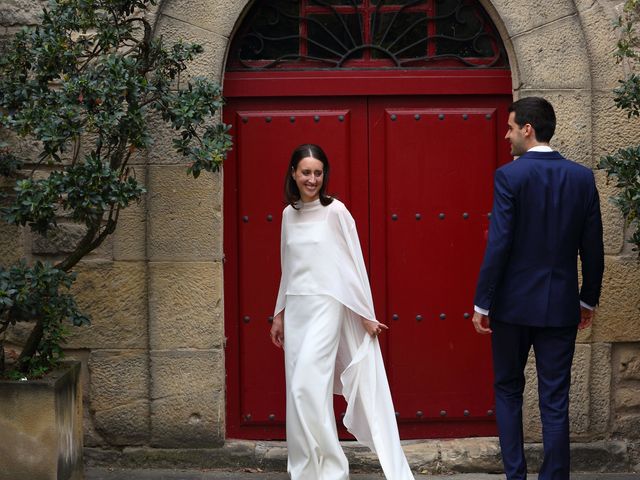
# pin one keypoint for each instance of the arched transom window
(351, 34)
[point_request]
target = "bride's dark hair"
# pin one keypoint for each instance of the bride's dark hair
(291, 191)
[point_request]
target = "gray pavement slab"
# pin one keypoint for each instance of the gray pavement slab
(92, 473)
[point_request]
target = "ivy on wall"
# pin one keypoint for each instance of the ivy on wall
(624, 165)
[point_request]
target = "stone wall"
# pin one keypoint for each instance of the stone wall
(154, 355)
(14, 14)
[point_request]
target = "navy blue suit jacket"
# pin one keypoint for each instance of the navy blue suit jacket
(546, 211)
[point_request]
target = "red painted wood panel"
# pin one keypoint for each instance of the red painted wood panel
(434, 160)
(385, 161)
(265, 135)
(362, 82)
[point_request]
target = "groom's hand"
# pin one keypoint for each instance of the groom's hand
(481, 323)
(586, 317)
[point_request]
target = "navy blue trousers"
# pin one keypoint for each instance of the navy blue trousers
(553, 347)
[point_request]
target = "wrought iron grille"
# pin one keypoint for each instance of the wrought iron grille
(349, 34)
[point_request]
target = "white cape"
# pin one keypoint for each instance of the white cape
(321, 255)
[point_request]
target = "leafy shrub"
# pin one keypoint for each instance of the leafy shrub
(83, 86)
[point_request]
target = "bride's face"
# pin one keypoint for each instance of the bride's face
(308, 176)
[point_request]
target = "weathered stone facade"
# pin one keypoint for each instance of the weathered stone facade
(154, 355)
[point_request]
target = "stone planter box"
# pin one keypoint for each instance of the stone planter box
(41, 427)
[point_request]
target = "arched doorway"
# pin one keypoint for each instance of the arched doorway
(409, 99)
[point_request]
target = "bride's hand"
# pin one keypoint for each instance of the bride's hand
(277, 330)
(373, 328)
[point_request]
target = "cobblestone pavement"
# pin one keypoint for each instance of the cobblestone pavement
(158, 474)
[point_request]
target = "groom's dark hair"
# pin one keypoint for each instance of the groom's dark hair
(537, 112)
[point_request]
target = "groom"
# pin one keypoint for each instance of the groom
(546, 211)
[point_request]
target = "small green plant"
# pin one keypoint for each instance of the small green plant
(624, 165)
(82, 86)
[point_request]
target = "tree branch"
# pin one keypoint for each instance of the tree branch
(31, 346)
(84, 247)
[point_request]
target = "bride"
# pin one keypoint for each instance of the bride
(325, 321)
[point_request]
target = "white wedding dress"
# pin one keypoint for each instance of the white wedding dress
(324, 291)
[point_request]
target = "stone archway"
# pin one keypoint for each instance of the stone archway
(182, 247)
(550, 54)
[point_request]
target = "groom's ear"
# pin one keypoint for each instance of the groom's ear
(529, 131)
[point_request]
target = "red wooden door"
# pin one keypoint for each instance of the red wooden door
(265, 133)
(399, 163)
(432, 165)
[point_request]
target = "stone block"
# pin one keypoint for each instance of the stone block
(626, 424)
(585, 335)
(118, 378)
(609, 7)
(129, 239)
(207, 64)
(581, 371)
(471, 455)
(18, 334)
(187, 398)
(360, 459)
(210, 62)
(573, 130)
(26, 148)
(624, 359)
(579, 396)
(219, 17)
(186, 372)
(11, 244)
(519, 18)
(616, 320)
(597, 456)
(612, 220)
(629, 247)
(139, 158)
(195, 420)
(422, 456)
(184, 224)
(118, 402)
(235, 455)
(124, 425)
(62, 239)
(612, 129)
(91, 436)
(597, 27)
(114, 294)
(600, 387)
(185, 305)
(627, 398)
(553, 56)
(104, 252)
(21, 12)
(606, 457)
(273, 455)
(629, 364)
(626, 388)
(634, 456)
(162, 150)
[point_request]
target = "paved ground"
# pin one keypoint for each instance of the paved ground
(116, 474)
